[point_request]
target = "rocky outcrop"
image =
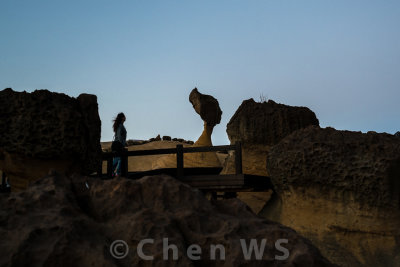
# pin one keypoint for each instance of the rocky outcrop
(206, 106)
(74, 221)
(258, 126)
(397, 134)
(166, 138)
(43, 130)
(268, 122)
(208, 109)
(341, 189)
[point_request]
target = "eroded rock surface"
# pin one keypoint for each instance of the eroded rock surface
(206, 106)
(258, 126)
(342, 190)
(62, 221)
(208, 109)
(268, 122)
(44, 130)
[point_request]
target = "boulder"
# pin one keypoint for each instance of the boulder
(397, 134)
(84, 216)
(258, 126)
(44, 130)
(206, 106)
(268, 122)
(341, 189)
(166, 138)
(208, 109)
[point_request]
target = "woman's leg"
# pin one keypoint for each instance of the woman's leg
(116, 166)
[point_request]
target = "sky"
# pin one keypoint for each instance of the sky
(339, 58)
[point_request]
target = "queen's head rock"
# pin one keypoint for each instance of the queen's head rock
(206, 106)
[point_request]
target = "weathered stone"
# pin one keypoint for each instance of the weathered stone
(341, 189)
(268, 122)
(208, 109)
(206, 106)
(367, 165)
(166, 138)
(83, 216)
(43, 130)
(258, 126)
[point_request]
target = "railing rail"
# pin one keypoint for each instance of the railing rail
(179, 151)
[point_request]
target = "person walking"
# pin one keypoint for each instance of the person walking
(119, 143)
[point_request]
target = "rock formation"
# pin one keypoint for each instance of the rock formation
(258, 126)
(341, 189)
(208, 109)
(397, 134)
(268, 122)
(61, 221)
(44, 130)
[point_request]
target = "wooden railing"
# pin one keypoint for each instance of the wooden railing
(179, 151)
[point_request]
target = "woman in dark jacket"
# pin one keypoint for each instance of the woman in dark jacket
(119, 141)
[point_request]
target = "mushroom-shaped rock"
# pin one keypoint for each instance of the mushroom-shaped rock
(206, 106)
(208, 109)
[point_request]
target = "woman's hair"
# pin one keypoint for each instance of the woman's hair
(117, 121)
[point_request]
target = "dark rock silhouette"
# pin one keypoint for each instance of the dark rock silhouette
(397, 134)
(62, 221)
(258, 126)
(206, 106)
(348, 182)
(268, 122)
(166, 138)
(367, 165)
(43, 130)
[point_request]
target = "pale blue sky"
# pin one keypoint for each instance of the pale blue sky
(339, 58)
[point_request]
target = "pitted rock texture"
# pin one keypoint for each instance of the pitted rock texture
(46, 126)
(258, 126)
(268, 122)
(206, 106)
(208, 109)
(367, 165)
(341, 189)
(62, 221)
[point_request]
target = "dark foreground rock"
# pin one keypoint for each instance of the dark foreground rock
(43, 130)
(62, 221)
(341, 189)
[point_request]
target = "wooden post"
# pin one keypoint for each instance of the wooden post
(109, 167)
(238, 157)
(124, 162)
(3, 180)
(100, 169)
(179, 161)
